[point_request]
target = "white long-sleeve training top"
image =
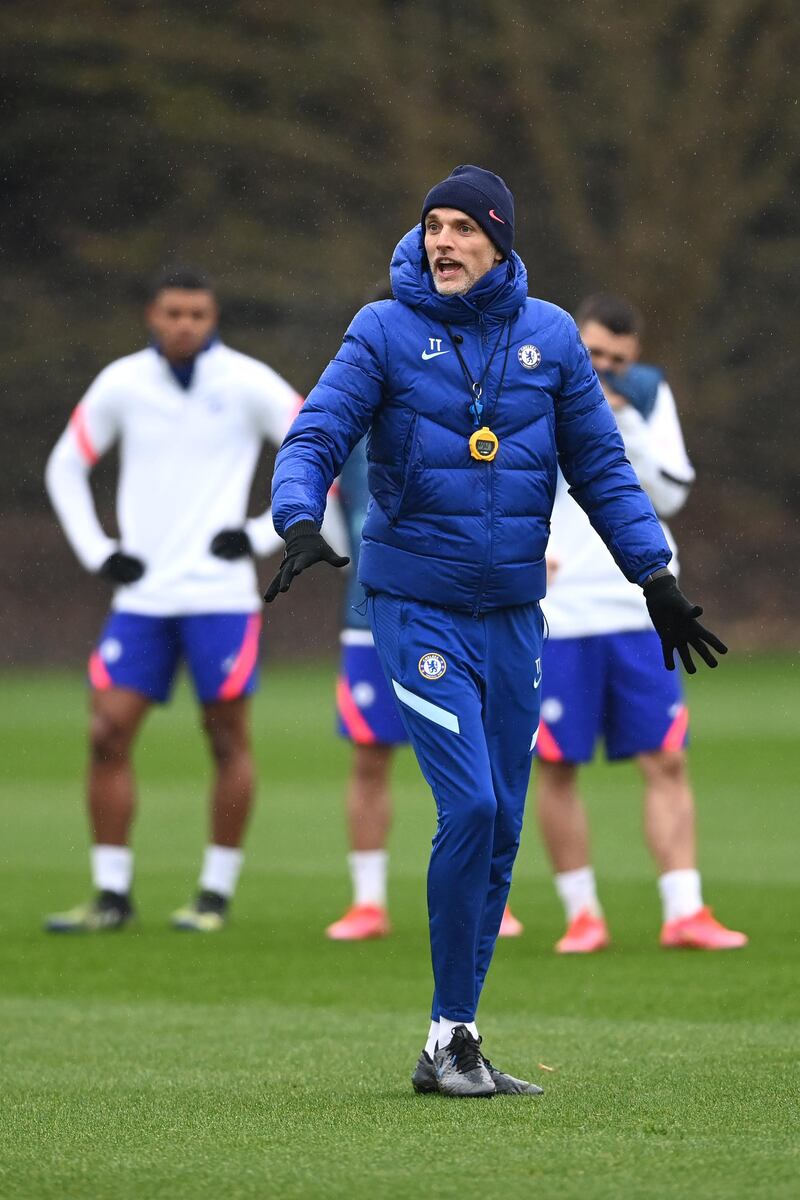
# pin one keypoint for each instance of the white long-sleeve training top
(187, 459)
(587, 593)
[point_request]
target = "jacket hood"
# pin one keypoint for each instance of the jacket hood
(499, 294)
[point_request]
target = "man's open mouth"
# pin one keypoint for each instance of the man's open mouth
(447, 267)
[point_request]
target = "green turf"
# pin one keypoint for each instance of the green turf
(267, 1062)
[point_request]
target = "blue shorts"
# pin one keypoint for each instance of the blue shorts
(366, 707)
(143, 653)
(614, 686)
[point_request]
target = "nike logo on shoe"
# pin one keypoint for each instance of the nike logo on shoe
(495, 217)
(426, 354)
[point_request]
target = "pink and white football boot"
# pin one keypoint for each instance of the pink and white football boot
(701, 931)
(585, 934)
(360, 922)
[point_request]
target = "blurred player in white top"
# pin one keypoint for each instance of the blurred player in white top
(190, 416)
(603, 674)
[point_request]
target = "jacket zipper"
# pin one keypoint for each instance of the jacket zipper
(489, 468)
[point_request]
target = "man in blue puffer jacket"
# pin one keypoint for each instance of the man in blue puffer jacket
(470, 393)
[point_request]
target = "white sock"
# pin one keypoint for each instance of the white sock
(221, 867)
(433, 1039)
(368, 870)
(681, 893)
(112, 868)
(446, 1027)
(578, 891)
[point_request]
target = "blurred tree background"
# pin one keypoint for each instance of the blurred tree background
(652, 150)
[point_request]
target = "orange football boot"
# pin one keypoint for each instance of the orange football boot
(360, 922)
(585, 934)
(510, 926)
(701, 931)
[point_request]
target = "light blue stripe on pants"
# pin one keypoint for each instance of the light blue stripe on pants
(469, 696)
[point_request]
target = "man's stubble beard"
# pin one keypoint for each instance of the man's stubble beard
(458, 291)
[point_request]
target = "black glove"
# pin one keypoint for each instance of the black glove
(305, 546)
(122, 568)
(675, 621)
(231, 544)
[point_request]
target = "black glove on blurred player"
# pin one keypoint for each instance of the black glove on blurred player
(231, 544)
(122, 568)
(675, 621)
(305, 546)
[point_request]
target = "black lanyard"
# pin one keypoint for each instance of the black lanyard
(475, 386)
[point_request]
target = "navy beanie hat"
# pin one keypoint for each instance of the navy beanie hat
(482, 196)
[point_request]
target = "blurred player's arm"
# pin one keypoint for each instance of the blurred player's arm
(656, 450)
(552, 567)
(274, 405)
(91, 431)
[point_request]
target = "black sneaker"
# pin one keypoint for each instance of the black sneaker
(207, 914)
(424, 1078)
(509, 1085)
(106, 912)
(460, 1069)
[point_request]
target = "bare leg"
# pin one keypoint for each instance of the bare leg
(227, 727)
(116, 715)
(562, 817)
(670, 833)
(565, 832)
(368, 799)
(668, 809)
(369, 818)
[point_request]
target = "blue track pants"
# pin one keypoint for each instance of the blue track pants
(469, 696)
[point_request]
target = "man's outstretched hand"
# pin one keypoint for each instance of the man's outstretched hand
(305, 546)
(675, 621)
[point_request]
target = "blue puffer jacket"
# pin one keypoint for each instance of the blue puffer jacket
(442, 527)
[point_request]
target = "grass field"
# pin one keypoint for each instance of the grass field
(267, 1062)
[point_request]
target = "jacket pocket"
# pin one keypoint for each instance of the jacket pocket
(408, 468)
